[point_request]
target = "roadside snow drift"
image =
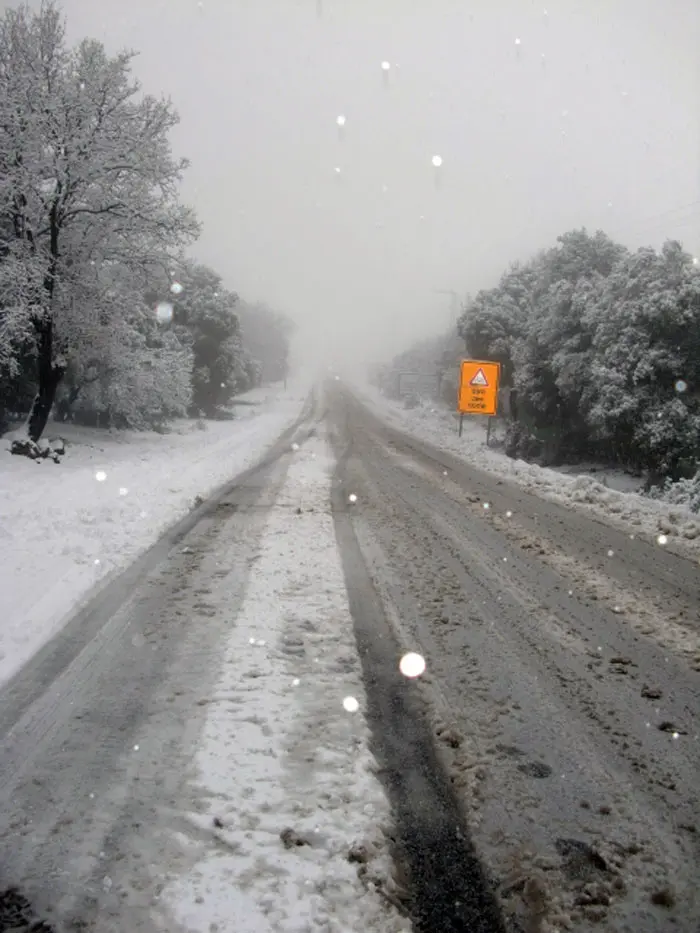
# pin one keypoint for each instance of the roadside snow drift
(65, 527)
(666, 524)
(287, 815)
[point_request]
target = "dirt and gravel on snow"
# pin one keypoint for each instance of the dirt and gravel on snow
(562, 681)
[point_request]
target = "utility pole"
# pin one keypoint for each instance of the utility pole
(455, 307)
(455, 301)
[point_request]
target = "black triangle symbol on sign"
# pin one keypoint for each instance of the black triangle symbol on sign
(479, 379)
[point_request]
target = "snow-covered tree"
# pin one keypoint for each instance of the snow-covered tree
(112, 333)
(266, 334)
(205, 317)
(86, 174)
(603, 348)
(645, 381)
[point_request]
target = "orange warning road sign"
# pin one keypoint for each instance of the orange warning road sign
(478, 387)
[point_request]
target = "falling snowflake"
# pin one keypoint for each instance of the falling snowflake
(352, 497)
(164, 312)
(350, 705)
(412, 664)
(662, 539)
(176, 288)
(681, 385)
(100, 476)
(437, 161)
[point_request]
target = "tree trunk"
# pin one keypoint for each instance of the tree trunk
(48, 377)
(64, 409)
(48, 373)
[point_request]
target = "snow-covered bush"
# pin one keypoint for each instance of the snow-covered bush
(684, 493)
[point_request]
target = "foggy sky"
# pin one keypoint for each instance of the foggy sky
(604, 131)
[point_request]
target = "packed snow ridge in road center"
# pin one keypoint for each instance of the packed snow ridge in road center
(285, 806)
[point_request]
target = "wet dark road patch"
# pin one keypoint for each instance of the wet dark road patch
(448, 888)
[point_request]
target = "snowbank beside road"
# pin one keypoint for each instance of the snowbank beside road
(66, 527)
(287, 813)
(668, 524)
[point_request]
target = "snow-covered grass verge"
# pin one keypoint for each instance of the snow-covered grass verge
(668, 523)
(66, 527)
(288, 814)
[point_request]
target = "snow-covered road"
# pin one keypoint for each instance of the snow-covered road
(202, 761)
(562, 678)
(67, 529)
(224, 741)
(606, 493)
(285, 793)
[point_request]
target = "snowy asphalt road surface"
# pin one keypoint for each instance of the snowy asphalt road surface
(563, 661)
(130, 672)
(562, 693)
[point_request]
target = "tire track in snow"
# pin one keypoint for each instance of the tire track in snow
(448, 887)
